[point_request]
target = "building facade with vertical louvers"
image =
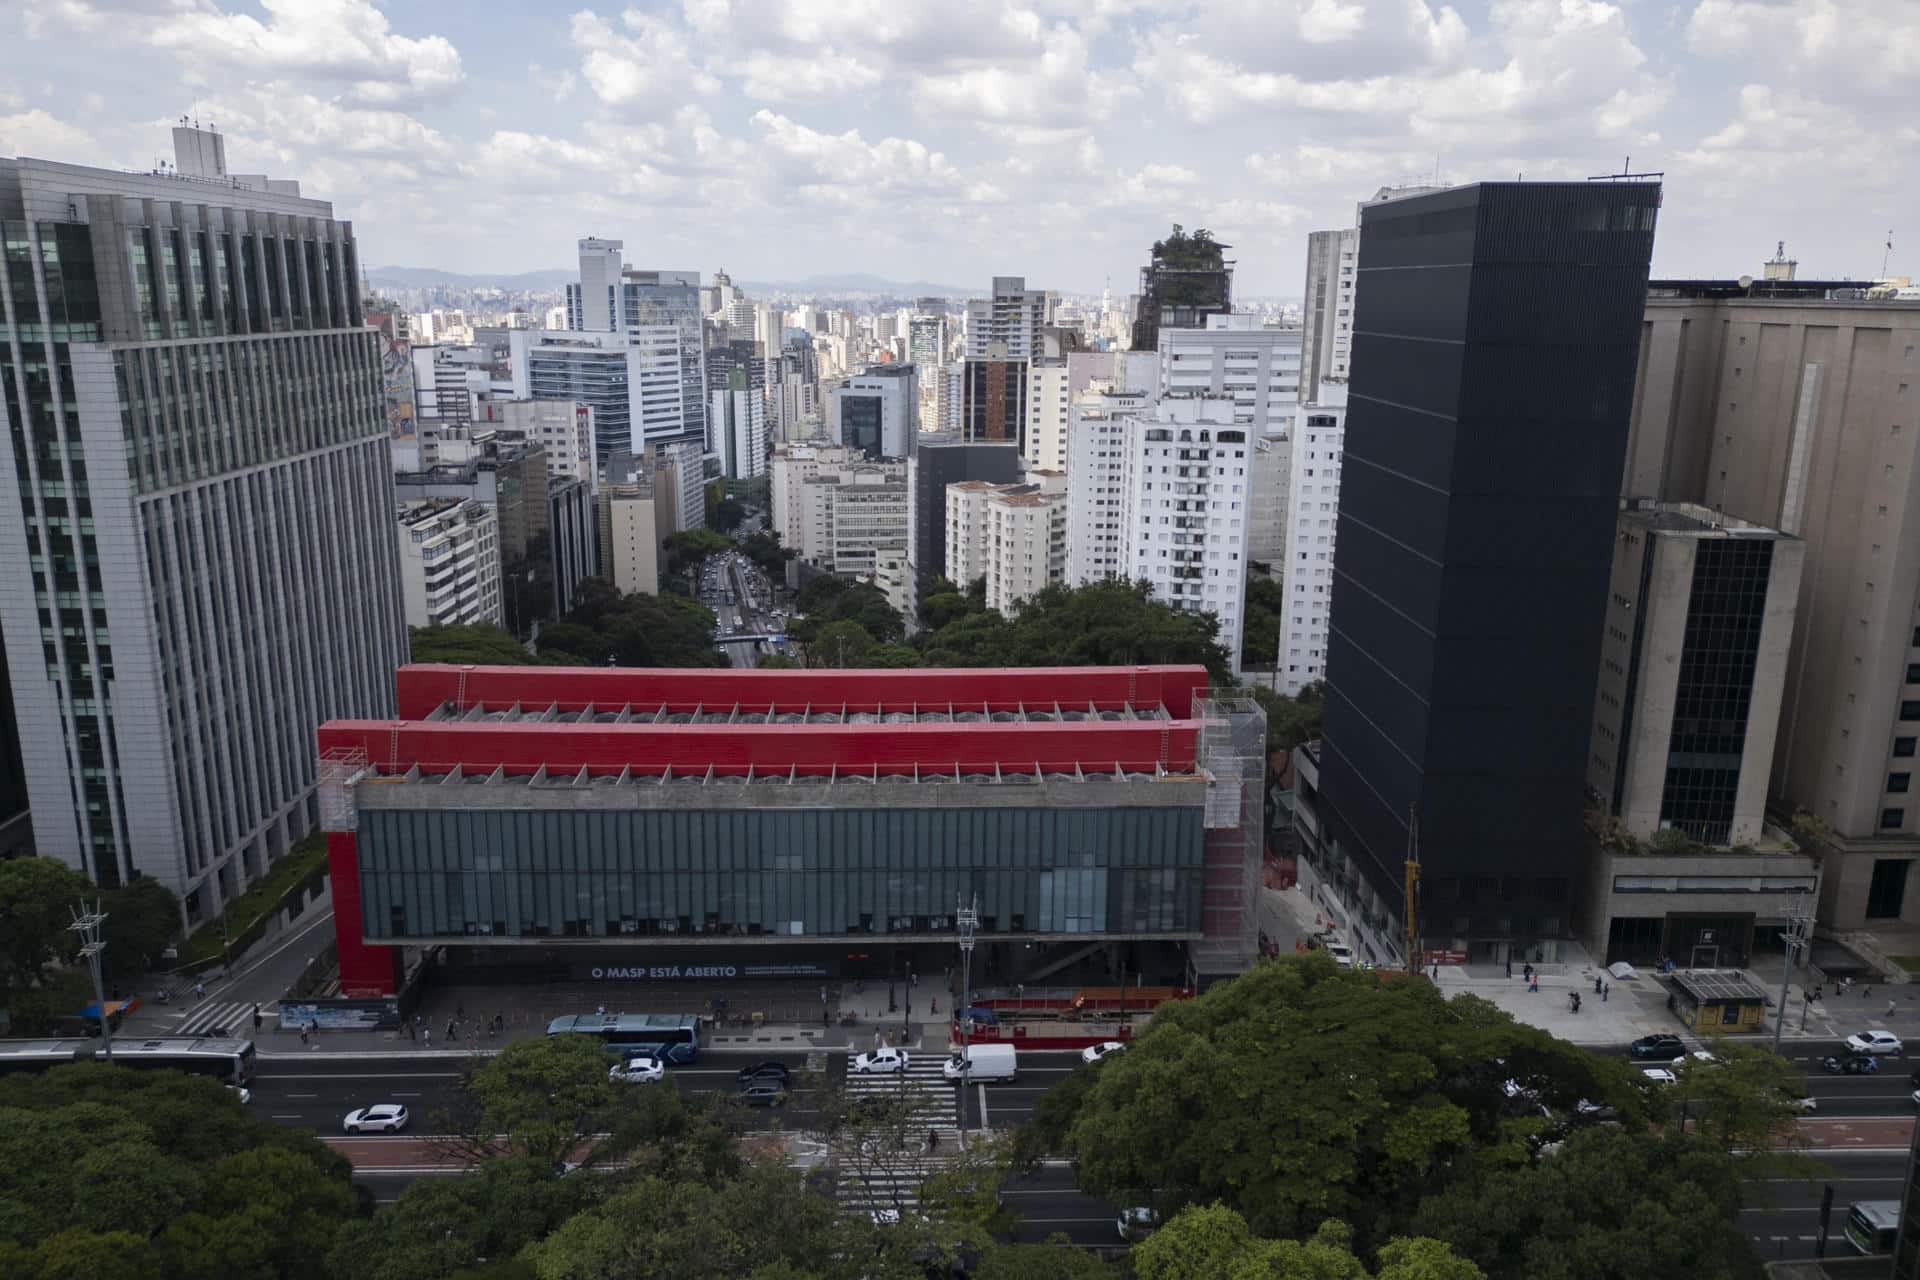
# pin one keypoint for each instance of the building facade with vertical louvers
(195, 511)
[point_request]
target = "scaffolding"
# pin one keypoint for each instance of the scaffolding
(341, 768)
(1233, 755)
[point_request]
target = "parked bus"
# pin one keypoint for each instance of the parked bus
(673, 1036)
(229, 1061)
(1872, 1225)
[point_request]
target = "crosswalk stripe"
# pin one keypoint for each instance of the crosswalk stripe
(235, 1015)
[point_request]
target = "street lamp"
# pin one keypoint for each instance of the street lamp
(86, 922)
(967, 920)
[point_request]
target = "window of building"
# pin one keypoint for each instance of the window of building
(1897, 782)
(1890, 819)
(1910, 710)
(1903, 747)
(1887, 893)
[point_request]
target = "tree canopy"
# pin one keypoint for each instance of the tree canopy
(828, 599)
(1299, 1094)
(1214, 1243)
(633, 630)
(1291, 721)
(1260, 622)
(1108, 623)
(162, 1176)
(477, 643)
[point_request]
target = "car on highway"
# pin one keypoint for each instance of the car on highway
(1874, 1042)
(383, 1117)
(1852, 1064)
(1659, 1075)
(241, 1092)
(1102, 1051)
(763, 1092)
(1136, 1223)
(1698, 1055)
(881, 1062)
(768, 1070)
(1666, 1047)
(641, 1068)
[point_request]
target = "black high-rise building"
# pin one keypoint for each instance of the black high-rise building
(1494, 351)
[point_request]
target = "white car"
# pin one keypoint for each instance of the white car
(881, 1062)
(641, 1069)
(1874, 1042)
(1102, 1051)
(1698, 1055)
(245, 1095)
(386, 1117)
(1659, 1075)
(1137, 1223)
(1342, 954)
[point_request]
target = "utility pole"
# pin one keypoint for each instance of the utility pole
(86, 922)
(1799, 934)
(967, 921)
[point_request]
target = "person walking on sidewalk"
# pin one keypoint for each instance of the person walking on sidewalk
(1890, 1008)
(1605, 987)
(1533, 982)
(426, 1037)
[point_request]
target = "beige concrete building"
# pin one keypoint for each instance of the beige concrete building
(1026, 539)
(1699, 614)
(967, 529)
(450, 562)
(633, 538)
(1801, 410)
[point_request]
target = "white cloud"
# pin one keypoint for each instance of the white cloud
(845, 168)
(1052, 81)
(648, 64)
(35, 133)
(825, 74)
(1863, 44)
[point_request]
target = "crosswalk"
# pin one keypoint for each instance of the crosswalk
(204, 1017)
(884, 1183)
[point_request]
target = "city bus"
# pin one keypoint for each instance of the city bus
(1872, 1225)
(229, 1061)
(673, 1036)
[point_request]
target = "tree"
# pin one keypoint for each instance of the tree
(541, 1095)
(764, 549)
(776, 662)
(142, 919)
(79, 1254)
(688, 549)
(1746, 1098)
(727, 515)
(892, 655)
(262, 1213)
(1260, 626)
(1612, 1204)
(37, 898)
(442, 1226)
(1299, 1092)
(839, 644)
(1107, 623)
(478, 643)
(1291, 721)
(1054, 1259)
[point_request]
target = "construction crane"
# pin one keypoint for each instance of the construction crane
(1413, 888)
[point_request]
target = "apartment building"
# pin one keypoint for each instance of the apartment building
(450, 562)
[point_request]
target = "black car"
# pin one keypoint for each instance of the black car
(1653, 1048)
(779, 1071)
(763, 1093)
(1853, 1064)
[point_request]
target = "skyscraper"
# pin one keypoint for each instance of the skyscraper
(1494, 356)
(196, 518)
(1188, 279)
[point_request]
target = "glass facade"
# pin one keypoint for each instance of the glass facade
(663, 298)
(860, 423)
(1726, 610)
(783, 872)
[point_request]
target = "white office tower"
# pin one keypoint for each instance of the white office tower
(448, 381)
(1255, 365)
(1182, 514)
(740, 321)
(1326, 311)
(1267, 507)
(875, 412)
(848, 513)
(556, 317)
(196, 513)
(737, 419)
(450, 562)
(967, 529)
(1313, 511)
(1045, 444)
(564, 429)
(1006, 326)
(1096, 469)
(594, 303)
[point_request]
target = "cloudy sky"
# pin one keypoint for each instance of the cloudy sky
(949, 140)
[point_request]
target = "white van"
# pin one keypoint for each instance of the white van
(1342, 954)
(979, 1063)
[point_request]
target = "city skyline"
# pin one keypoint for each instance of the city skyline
(923, 142)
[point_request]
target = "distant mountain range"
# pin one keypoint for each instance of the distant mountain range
(855, 282)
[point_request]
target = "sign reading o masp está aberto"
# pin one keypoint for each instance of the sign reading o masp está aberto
(707, 972)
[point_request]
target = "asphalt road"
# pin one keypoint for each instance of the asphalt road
(748, 614)
(317, 1093)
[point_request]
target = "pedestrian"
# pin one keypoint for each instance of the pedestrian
(1526, 971)
(491, 1028)
(913, 979)
(199, 991)
(1509, 966)
(1605, 987)
(933, 1140)
(426, 1037)
(1533, 982)
(303, 1035)
(1596, 984)
(601, 1010)
(933, 1004)
(1889, 1008)
(1573, 1002)
(416, 1021)
(1576, 1002)
(1866, 993)
(1436, 973)
(313, 1025)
